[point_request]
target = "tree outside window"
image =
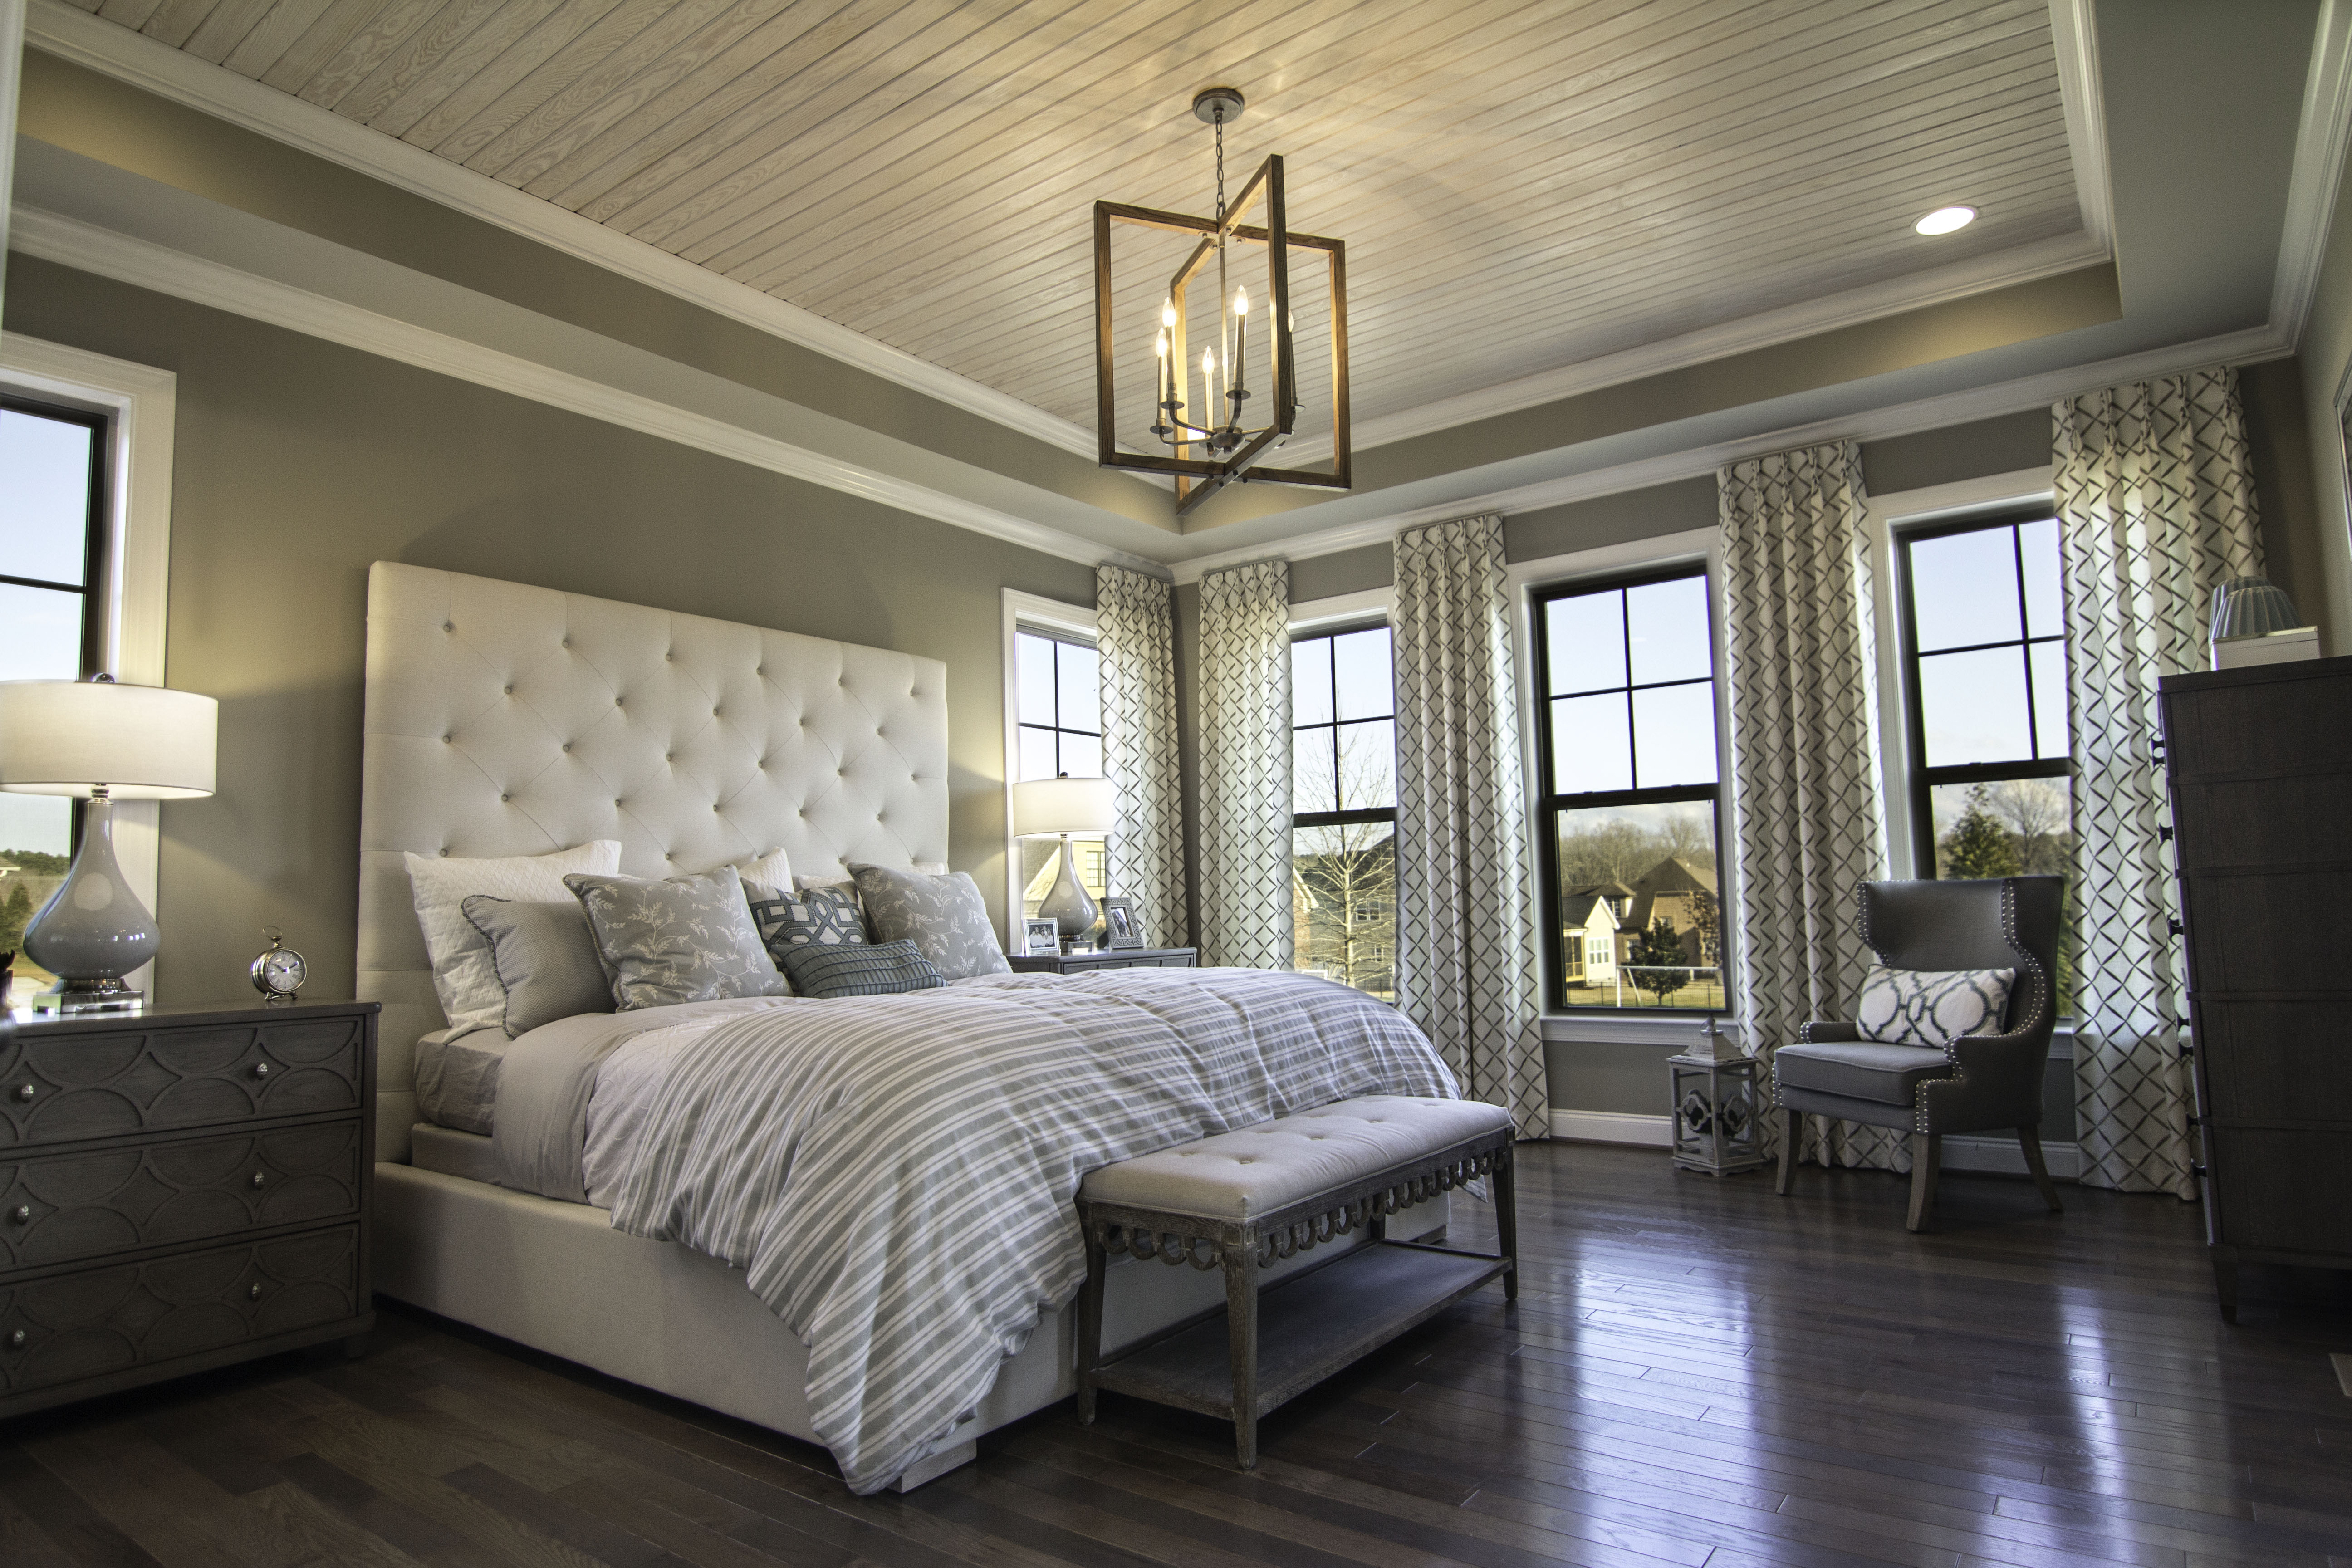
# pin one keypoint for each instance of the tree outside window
(1343, 826)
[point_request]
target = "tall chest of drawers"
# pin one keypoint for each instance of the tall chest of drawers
(2260, 766)
(179, 1190)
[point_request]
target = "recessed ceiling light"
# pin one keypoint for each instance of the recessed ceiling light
(1944, 220)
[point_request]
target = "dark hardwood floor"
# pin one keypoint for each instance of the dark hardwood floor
(1696, 1373)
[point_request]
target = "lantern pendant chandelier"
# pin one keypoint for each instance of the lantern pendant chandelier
(1203, 426)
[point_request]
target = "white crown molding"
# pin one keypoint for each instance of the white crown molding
(143, 264)
(2321, 135)
(1916, 292)
(2250, 346)
(71, 34)
(2073, 33)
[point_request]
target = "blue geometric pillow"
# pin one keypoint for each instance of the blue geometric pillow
(883, 969)
(820, 917)
(1931, 1008)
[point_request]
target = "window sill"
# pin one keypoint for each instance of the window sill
(1649, 1030)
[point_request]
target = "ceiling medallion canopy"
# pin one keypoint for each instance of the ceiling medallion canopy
(1212, 358)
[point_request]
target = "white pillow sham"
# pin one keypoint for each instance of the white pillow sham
(464, 975)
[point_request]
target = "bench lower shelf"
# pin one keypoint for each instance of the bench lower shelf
(1308, 1327)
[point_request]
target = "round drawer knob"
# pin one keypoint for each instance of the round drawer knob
(24, 1091)
(16, 1339)
(254, 1294)
(22, 1214)
(259, 1179)
(261, 1069)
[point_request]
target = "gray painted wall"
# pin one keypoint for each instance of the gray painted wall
(300, 462)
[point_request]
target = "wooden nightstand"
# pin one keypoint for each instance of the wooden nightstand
(1109, 957)
(181, 1189)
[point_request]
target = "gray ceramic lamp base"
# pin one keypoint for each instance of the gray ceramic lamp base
(1070, 906)
(93, 931)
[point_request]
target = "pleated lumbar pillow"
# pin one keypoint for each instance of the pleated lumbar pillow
(860, 969)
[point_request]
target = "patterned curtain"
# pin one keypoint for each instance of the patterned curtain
(2155, 507)
(1135, 630)
(1246, 766)
(1805, 805)
(1465, 895)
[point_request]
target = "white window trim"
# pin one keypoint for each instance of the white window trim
(1050, 614)
(1315, 614)
(140, 403)
(1701, 545)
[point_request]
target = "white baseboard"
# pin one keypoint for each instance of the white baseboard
(1612, 1127)
(1991, 1153)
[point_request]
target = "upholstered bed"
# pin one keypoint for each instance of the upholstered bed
(504, 720)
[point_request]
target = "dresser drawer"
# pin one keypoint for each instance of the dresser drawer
(102, 1085)
(69, 1327)
(60, 1208)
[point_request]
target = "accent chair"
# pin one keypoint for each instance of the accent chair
(1978, 1083)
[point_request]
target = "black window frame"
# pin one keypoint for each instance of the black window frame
(95, 533)
(1920, 780)
(1335, 724)
(1550, 802)
(1060, 639)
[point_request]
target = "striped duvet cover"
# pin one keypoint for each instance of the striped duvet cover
(895, 1174)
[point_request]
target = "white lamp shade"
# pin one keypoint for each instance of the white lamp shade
(1043, 807)
(142, 743)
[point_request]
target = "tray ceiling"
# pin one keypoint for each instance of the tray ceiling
(1523, 184)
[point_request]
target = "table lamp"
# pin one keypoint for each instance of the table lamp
(1043, 808)
(101, 743)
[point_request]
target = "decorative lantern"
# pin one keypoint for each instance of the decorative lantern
(1718, 1122)
(1207, 435)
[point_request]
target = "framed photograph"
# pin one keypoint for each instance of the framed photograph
(1040, 937)
(1121, 927)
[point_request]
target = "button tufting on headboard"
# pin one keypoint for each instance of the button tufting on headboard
(513, 737)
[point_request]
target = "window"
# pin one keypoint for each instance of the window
(1058, 705)
(52, 614)
(1984, 666)
(1625, 728)
(1343, 805)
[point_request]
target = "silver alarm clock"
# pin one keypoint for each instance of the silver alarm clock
(278, 973)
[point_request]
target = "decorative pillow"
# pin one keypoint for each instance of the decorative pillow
(1931, 1008)
(814, 917)
(882, 969)
(686, 939)
(945, 917)
(546, 960)
(768, 873)
(464, 976)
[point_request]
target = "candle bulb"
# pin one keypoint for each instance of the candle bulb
(1161, 394)
(1208, 383)
(1241, 346)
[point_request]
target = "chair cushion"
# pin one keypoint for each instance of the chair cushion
(1255, 1171)
(1890, 1075)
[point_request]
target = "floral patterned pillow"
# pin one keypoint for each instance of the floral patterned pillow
(689, 939)
(944, 917)
(1931, 1008)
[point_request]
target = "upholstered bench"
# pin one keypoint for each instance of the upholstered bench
(1242, 1200)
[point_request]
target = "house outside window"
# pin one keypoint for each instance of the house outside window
(1058, 682)
(52, 611)
(1625, 722)
(1984, 673)
(1343, 826)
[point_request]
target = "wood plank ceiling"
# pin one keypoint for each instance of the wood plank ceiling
(1522, 184)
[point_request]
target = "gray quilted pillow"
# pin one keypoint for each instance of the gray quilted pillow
(1931, 1008)
(944, 917)
(689, 939)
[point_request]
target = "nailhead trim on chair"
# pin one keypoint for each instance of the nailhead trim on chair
(2045, 998)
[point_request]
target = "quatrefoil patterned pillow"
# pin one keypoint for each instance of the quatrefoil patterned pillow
(1931, 1008)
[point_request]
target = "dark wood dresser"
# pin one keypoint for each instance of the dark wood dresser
(181, 1189)
(1106, 958)
(2260, 766)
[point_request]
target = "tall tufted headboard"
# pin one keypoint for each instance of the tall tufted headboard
(508, 719)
